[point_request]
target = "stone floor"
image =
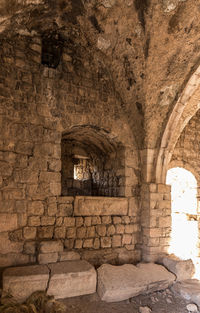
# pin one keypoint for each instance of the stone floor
(158, 302)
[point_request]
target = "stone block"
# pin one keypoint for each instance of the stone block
(110, 230)
(88, 221)
(96, 220)
(105, 242)
(126, 239)
(65, 209)
(71, 232)
(106, 220)
(29, 247)
(117, 220)
(183, 269)
(129, 229)
(47, 220)
(78, 244)
(45, 232)
(117, 283)
(36, 208)
(45, 258)
(29, 232)
(79, 221)
(34, 221)
(21, 282)
(8, 246)
(96, 243)
(8, 222)
(81, 232)
(69, 243)
(51, 246)
(71, 278)
(13, 259)
(119, 228)
(101, 230)
(69, 256)
(116, 241)
(87, 206)
(88, 243)
(90, 232)
(69, 221)
(60, 232)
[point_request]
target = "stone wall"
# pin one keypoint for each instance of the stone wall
(37, 106)
(88, 225)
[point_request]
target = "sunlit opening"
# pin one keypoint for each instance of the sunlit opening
(184, 236)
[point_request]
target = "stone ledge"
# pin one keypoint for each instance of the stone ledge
(90, 206)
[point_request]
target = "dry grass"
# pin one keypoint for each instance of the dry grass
(38, 302)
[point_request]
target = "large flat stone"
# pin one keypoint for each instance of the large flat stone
(87, 206)
(117, 283)
(21, 282)
(188, 289)
(183, 269)
(71, 278)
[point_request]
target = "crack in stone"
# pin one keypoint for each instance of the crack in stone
(46, 290)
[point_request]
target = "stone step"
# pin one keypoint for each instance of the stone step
(117, 283)
(71, 278)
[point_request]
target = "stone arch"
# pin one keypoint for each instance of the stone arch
(184, 109)
(185, 165)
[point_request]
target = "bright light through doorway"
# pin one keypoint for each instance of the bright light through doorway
(184, 236)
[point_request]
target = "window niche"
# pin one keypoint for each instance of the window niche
(92, 165)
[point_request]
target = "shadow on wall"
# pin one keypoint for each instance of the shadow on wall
(93, 164)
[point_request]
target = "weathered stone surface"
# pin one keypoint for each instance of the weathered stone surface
(69, 256)
(45, 258)
(8, 246)
(86, 206)
(183, 269)
(8, 222)
(21, 282)
(71, 278)
(189, 289)
(51, 246)
(117, 283)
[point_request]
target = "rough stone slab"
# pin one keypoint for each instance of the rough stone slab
(87, 206)
(117, 283)
(71, 278)
(51, 246)
(21, 282)
(183, 269)
(189, 289)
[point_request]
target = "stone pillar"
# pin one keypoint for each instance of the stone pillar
(155, 220)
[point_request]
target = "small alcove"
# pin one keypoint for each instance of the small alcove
(92, 163)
